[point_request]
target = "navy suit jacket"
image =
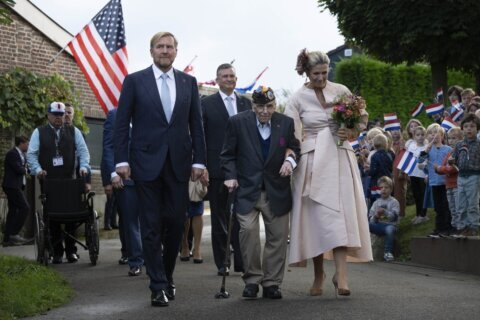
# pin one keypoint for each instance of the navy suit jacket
(152, 137)
(215, 119)
(14, 170)
(108, 165)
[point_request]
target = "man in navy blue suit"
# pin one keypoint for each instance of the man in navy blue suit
(13, 185)
(126, 199)
(167, 148)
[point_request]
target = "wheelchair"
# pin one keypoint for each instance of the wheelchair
(65, 201)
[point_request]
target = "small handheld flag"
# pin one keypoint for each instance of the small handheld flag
(448, 124)
(407, 162)
(457, 114)
(391, 122)
(417, 110)
(439, 96)
(355, 144)
(434, 108)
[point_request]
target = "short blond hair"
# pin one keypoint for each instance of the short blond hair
(380, 142)
(420, 128)
(436, 126)
(455, 130)
(386, 180)
(160, 35)
(372, 133)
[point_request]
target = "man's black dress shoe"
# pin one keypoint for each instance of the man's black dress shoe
(250, 291)
(159, 299)
(135, 271)
(57, 259)
(272, 292)
(223, 271)
(72, 257)
(170, 291)
(123, 260)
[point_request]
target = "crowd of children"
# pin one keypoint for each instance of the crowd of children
(444, 171)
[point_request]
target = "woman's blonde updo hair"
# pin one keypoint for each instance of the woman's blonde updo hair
(307, 60)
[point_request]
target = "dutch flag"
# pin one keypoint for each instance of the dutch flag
(355, 144)
(457, 114)
(408, 163)
(362, 135)
(439, 96)
(417, 110)
(448, 124)
(391, 122)
(433, 109)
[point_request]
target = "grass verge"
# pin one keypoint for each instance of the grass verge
(407, 230)
(28, 288)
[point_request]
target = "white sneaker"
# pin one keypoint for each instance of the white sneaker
(388, 256)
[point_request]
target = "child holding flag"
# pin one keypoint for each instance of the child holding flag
(434, 153)
(417, 176)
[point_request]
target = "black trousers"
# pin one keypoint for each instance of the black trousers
(443, 218)
(219, 215)
(418, 189)
(163, 205)
(18, 210)
(58, 238)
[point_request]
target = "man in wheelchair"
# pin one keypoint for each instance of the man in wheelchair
(51, 155)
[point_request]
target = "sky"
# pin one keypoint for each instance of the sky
(256, 33)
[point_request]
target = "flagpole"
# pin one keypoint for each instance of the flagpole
(191, 61)
(58, 53)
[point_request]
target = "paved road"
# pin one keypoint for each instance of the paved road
(379, 291)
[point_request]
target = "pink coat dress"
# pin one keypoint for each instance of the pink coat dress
(329, 208)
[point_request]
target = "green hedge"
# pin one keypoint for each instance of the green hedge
(393, 88)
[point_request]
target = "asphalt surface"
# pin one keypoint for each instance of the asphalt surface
(379, 291)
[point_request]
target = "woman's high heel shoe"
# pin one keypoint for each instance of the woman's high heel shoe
(339, 291)
(315, 291)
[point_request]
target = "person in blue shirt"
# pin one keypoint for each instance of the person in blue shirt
(52, 154)
(433, 155)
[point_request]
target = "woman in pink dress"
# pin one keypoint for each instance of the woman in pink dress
(329, 214)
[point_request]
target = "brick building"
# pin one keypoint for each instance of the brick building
(30, 42)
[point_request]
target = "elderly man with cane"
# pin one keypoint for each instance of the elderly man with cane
(255, 164)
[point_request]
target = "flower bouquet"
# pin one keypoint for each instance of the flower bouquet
(347, 111)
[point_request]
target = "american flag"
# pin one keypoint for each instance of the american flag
(100, 50)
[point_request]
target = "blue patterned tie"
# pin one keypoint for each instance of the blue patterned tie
(165, 97)
(230, 109)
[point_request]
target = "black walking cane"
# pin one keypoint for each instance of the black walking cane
(223, 294)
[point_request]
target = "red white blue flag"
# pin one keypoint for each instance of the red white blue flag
(251, 85)
(407, 163)
(439, 96)
(354, 143)
(448, 124)
(433, 109)
(100, 50)
(457, 114)
(417, 110)
(391, 122)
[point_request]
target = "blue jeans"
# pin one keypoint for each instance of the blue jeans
(467, 201)
(452, 202)
(384, 229)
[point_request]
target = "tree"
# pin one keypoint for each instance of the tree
(24, 97)
(4, 13)
(443, 33)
